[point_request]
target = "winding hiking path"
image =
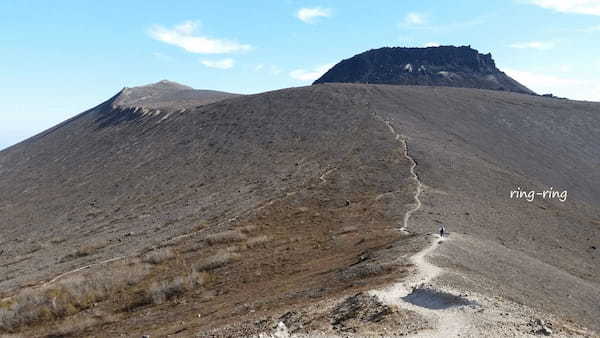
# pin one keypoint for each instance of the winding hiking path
(448, 321)
(62, 275)
(53, 280)
(450, 313)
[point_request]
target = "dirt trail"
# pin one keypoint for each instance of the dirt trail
(413, 293)
(53, 280)
(418, 294)
(451, 313)
(58, 277)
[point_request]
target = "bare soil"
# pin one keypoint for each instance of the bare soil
(318, 186)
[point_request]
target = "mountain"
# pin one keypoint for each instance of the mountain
(447, 66)
(159, 213)
(167, 94)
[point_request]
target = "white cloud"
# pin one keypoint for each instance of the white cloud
(183, 36)
(564, 68)
(270, 69)
(162, 57)
(577, 89)
(310, 15)
(310, 75)
(219, 64)
(418, 21)
(432, 44)
(590, 7)
(274, 70)
(187, 27)
(591, 29)
(540, 45)
(413, 19)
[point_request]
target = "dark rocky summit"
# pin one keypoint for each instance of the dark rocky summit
(447, 66)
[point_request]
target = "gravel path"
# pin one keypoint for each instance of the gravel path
(451, 313)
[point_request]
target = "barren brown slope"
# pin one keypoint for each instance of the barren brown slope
(472, 148)
(311, 161)
(116, 181)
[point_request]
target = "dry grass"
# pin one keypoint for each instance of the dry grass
(248, 229)
(258, 241)
(159, 292)
(225, 237)
(200, 226)
(70, 328)
(217, 260)
(162, 291)
(133, 283)
(126, 284)
(34, 306)
(68, 296)
(347, 230)
(159, 256)
(57, 240)
(196, 246)
(83, 251)
(35, 247)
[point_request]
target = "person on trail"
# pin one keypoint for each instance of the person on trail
(442, 230)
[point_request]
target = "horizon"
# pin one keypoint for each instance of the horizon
(62, 59)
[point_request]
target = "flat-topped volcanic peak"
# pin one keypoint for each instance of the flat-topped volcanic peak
(448, 66)
(167, 94)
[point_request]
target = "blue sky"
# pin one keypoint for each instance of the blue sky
(59, 58)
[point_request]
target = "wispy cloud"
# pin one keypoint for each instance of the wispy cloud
(162, 57)
(578, 89)
(219, 64)
(310, 15)
(305, 75)
(590, 7)
(431, 44)
(183, 35)
(540, 45)
(591, 29)
(564, 68)
(418, 21)
(414, 19)
(270, 69)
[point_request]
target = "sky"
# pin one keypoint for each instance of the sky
(59, 58)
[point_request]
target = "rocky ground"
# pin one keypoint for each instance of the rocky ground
(305, 210)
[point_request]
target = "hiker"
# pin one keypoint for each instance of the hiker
(442, 230)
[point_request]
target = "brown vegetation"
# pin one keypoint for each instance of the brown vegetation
(217, 260)
(158, 256)
(83, 251)
(225, 237)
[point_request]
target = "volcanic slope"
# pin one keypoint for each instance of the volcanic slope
(314, 175)
(168, 94)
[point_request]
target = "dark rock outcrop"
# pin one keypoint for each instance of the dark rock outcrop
(433, 66)
(359, 307)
